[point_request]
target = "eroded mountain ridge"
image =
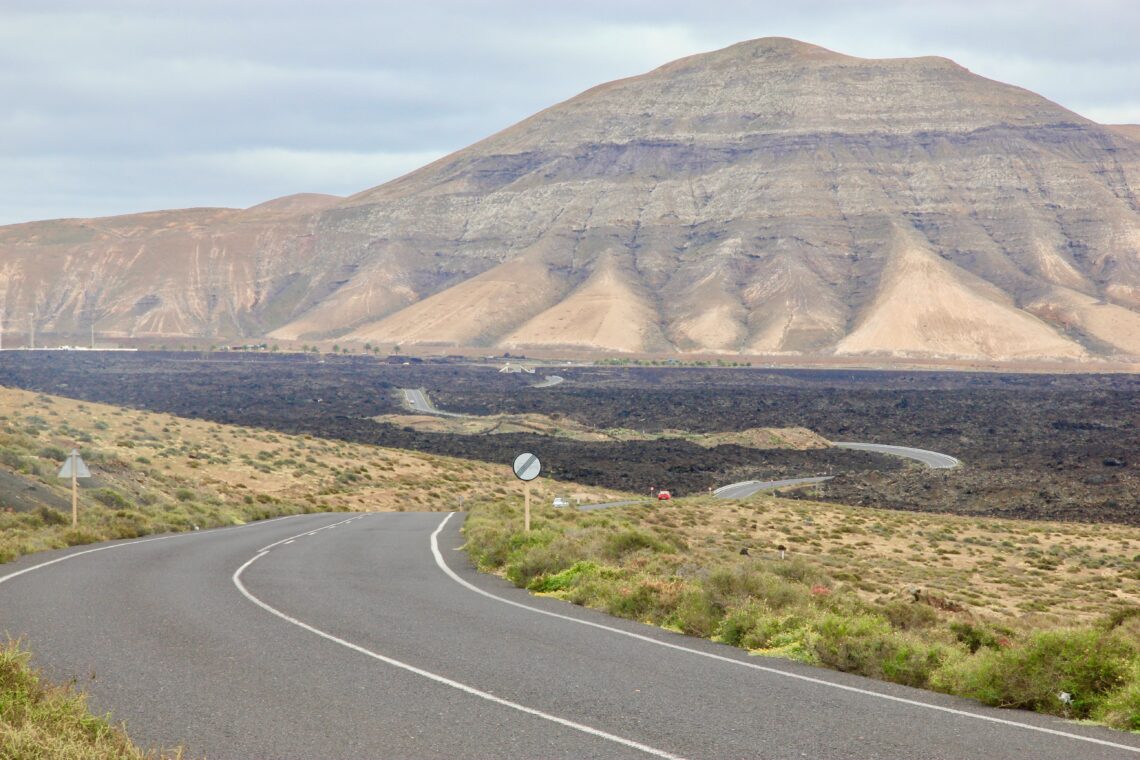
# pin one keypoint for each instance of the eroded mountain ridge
(771, 197)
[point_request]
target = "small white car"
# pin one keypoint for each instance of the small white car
(560, 502)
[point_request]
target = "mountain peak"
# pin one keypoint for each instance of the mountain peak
(779, 48)
(770, 197)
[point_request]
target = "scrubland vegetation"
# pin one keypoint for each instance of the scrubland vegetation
(155, 473)
(1011, 614)
(1008, 612)
(40, 721)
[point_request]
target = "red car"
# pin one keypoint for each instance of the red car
(664, 496)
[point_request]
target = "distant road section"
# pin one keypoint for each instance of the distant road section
(550, 382)
(929, 458)
(418, 401)
(746, 488)
(608, 504)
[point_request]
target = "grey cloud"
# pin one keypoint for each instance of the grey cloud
(119, 106)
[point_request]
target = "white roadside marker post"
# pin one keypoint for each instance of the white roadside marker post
(526, 468)
(74, 468)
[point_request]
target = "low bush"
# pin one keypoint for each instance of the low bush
(543, 553)
(1121, 708)
(1087, 663)
(109, 497)
(793, 609)
(696, 614)
(54, 453)
(909, 615)
(566, 579)
(630, 540)
(974, 636)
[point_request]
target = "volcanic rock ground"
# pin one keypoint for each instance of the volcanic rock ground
(1033, 446)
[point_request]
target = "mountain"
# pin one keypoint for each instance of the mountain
(195, 272)
(771, 197)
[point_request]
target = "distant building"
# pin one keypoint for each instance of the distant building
(508, 367)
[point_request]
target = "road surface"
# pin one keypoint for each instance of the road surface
(366, 636)
(608, 504)
(550, 382)
(746, 488)
(419, 402)
(929, 458)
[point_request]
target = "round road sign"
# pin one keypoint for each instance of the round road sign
(527, 467)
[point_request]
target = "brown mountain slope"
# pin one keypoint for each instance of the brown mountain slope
(195, 272)
(771, 197)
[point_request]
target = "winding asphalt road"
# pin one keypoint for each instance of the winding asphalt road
(550, 382)
(931, 459)
(419, 402)
(367, 636)
(746, 488)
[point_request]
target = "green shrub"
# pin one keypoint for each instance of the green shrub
(912, 661)
(909, 616)
(1088, 663)
(1121, 708)
(635, 601)
(696, 614)
(565, 579)
(799, 569)
(739, 622)
(11, 458)
(81, 535)
(109, 497)
(733, 585)
(850, 643)
(51, 516)
(184, 494)
(974, 636)
(129, 524)
(52, 452)
(866, 644)
(630, 540)
(546, 553)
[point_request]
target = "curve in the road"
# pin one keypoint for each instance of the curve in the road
(419, 402)
(931, 459)
(445, 681)
(771, 671)
(266, 660)
(746, 488)
(550, 382)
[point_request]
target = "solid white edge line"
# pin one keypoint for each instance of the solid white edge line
(104, 548)
(438, 678)
(773, 671)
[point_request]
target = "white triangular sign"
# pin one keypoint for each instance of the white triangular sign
(76, 461)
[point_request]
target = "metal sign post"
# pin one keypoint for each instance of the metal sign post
(74, 468)
(526, 469)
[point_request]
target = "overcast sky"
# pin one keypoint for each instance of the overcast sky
(116, 107)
